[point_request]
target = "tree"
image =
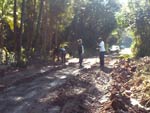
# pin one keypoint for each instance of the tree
(34, 23)
(6, 22)
(136, 17)
(92, 19)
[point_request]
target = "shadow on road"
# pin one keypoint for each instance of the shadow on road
(106, 69)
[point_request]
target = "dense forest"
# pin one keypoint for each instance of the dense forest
(31, 29)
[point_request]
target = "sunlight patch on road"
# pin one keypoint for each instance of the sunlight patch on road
(63, 77)
(73, 60)
(105, 98)
(57, 83)
(112, 63)
(42, 70)
(136, 102)
(89, 62)
(49, 77)
(18, 98)
(53, 84)
(76, 71)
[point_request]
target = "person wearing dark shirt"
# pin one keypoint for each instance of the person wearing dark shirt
(63, 54)
(80, 52)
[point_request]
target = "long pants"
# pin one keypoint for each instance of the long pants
(63, 57)
(80, 59)
(101, 56)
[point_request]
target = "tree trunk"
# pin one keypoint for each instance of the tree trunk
(20, 33)
(15, 28)
(37, 37)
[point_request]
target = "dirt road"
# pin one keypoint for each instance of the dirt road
(56, 89)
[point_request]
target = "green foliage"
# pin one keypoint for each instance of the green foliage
(136, 17)
(39, 20)
(92, 19)
(6, 12)
(126, 56)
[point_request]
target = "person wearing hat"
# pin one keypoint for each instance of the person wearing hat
(102, 51)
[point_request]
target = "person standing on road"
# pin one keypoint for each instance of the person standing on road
(80, 52)
(102, 52)
(63, 54)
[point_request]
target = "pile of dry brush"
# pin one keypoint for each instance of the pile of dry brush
(130, 92)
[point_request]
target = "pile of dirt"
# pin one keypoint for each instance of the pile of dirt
(130, 87)
(82, 93)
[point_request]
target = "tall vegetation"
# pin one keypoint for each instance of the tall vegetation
(31, 29)
(135, 16)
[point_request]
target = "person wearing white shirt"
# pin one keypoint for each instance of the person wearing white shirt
(102, 52)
